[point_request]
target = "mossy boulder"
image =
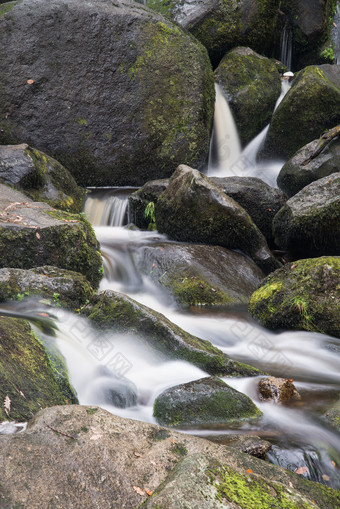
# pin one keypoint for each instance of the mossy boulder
(32, 234)
(139, 200)
(204, 401)
(199, 275)
(223, 24)
(193, 209)
(303, 169)
(311, 106)
(304, 295)
(28, 378)
(309, 222)
(260, 200)
(40, 177)
(112, 90)
(61, 287)
(333, 415)
(252, 86)
(119, 313)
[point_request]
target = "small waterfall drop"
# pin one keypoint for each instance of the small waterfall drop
(336, 34)
(286, 46)
(108, 206)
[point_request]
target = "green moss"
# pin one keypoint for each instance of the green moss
(6, 7)
(194, 291)
(91, 411)
(82, 121)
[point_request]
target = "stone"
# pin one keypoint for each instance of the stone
(139, 200)
(193, 209)
(277, 390)
(252, 85)
(108, 388)
(201, 402)
(115, 92)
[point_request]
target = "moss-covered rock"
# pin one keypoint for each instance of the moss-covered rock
(40, 177)
(333, 415)
(223, 24)
(252, 86)
(309, 223)
(199, 275)
(122, 314)
(311, 106)
(33, 234)
(204, 401)
(125, 97)
(193, 209)
(302, 170)
(61, 287)
(304, 295)
(28, 378)
(139, 200)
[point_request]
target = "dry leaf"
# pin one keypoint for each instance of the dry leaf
(301, 470)
(139, 491)
(173, 441)
(293, 266)
(152, 462)
(6, 115)
(148, 492)
(249, 471)
(333, 463)
(213, 290)
(137, 453)
(290, 484)
(325, 477)
(37, 235)
(30, 82)
(7, 404)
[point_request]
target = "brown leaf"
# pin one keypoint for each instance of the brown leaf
(293, 266)
(152, 462)
(137, 453)
(37, 235)
(301, 470)
(148, 492)
(30, 82)
(7, 404)
(249, 471)
(333, 463)
(325, 477)
(139, 491)
(290, 484)
(6, 115)
(173, 441)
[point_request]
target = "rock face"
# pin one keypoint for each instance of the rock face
(311, 106)
(309, 223)
(221, 25)
(102, 455)
(277, 390)
(110, 89)
(260, 200)
(193, 209)
(122, 314)
(304, 295)
(199, 275)
(27, 375)
(32, 234)
(204, 401)
(252, 86)
(62, 287)
(139, 200)
(296, 174)
(40, 177)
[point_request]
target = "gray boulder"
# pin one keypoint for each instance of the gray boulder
(40, 177)
(204, 401)
(309, 223)
(193, 209)
(112, 90)
(252, 86)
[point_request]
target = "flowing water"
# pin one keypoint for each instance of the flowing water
(286, 52)
(336, 34)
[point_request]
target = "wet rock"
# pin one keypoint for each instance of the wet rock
(254, 446)
(199, 275)
(112, 90)
(303, 295)
(277, 390)
(179, 469)
(109, 388)
(28, 378)
(32, 234)
(122, 314)
(252, 86)
(139, 200)
(193, 209)
(260, 200)
(311, 106)
(309, 223)
(303, 169)
(62, 287)
(221, 25)
(204, 401)
(40, 177)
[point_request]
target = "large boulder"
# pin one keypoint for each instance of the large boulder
(223, 24)
(260, 200)
(304, 295)
(193, 209)
(122, 461)
(28, 379)
(119, 313)
(204, 401)
(200, 275)
(309, 223)
(252, 86)
(310, 163)
(110, 89)
(311, 106)
(40, 177)
(32, 234)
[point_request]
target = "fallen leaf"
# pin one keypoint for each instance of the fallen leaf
(152, 462)
(333, 463)
(37, 235)
(6, 115)
(213, 290)
(139, 491)
(148, 492)
(137, 453)
(30, 82)
(290, 484)
(293, 266)
(301, 470)
(325, 477)
(7, 404)
(334, 24)
(173, 441)
(249, 471)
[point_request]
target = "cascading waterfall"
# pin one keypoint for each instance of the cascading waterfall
(286, 49)
(108, 206)
(336, 34)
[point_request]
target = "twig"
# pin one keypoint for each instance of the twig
(61, 432)
(323, 142)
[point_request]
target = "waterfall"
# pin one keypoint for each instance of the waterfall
(108, 206)
(336, 35)
(286, 45)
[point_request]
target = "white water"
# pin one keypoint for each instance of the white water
(109, 206)
(286, 46)
(336, 34)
